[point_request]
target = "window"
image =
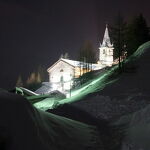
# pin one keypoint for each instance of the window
(103, 51)
(61, 79)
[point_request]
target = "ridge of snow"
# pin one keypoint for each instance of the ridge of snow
(28, 128)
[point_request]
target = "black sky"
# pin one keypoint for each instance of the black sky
(37, 32)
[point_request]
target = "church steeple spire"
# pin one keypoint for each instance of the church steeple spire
(106, 40)
(106, 50)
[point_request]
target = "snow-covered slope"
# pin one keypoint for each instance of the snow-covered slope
(125, 103)
(129, 93)
(136, 131)
(23, 127)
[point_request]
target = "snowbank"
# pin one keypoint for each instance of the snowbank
(24, 127)
(137, 130)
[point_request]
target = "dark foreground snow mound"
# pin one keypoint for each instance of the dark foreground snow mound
(136, 130)
(23, 127)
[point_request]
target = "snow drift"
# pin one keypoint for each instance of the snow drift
(136, 130)
(23, 127)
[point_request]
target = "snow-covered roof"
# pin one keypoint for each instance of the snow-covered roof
(80, 64)
(75, 63)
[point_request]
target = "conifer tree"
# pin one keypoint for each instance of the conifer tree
(87, 55)
(32, 78)
(38, 78)
(137, 34)
(41, 73)
(118, 36)
(19, 82)
(66, 56)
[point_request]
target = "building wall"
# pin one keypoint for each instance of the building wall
(80, 71)
(106, 55)
(60, 76)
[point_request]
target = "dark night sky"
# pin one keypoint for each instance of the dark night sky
(34, 32)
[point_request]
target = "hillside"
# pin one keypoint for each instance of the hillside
(114, 110)
(121, 109)
(121, 94)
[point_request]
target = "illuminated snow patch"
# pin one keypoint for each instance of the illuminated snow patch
(46, 104)
(92, 86)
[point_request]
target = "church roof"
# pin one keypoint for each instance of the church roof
(74, 64)
(106, 40)
(79, 63)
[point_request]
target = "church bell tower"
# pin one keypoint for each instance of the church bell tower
(106, 50)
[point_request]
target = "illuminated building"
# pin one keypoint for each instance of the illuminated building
(106, 50)
(62, 73)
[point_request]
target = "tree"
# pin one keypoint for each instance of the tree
(118, 35)
(87, 55)
(61, 56)
(137, 33)
(38, 78)
(41, 73)
(34, 81)
(32, 78)
(19, 82)
(65, 56)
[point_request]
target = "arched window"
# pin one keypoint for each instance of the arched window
(103, 51)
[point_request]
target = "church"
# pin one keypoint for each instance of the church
(62, 73)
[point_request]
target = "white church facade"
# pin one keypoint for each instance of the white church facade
(62, 73)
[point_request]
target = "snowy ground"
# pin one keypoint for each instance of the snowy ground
(129, 93)
(125, 104)
(119, 108)
(23, 127)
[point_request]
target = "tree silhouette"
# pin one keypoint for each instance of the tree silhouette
(87, 55)
(118, 35)
(19, 82)
(137, 33)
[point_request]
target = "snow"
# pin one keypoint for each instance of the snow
(111, 97)
(122, 100)
(81, 64)
(137, 130)
(45, 88)
(91, 86)
(126, 84)
(114, 97)
(47, 103)
(26, 128)
(28, 92)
